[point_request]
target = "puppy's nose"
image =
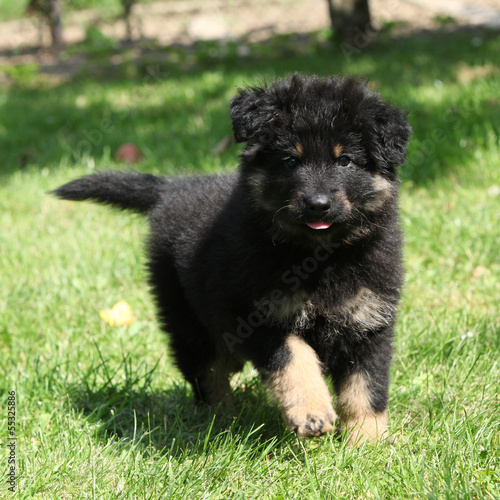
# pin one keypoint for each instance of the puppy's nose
(318, 205)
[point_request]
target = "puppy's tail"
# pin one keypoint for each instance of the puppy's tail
(128, 191)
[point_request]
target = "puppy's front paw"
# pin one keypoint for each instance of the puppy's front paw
(370, 428)
(310, 421)
(301, 391)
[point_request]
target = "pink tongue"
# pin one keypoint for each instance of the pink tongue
(319, 225)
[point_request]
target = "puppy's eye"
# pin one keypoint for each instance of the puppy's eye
(291, 162)
(343, 161)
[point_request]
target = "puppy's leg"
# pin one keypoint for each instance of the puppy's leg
(204, 366)
(211, 384)
(357, 411)
(196, 354)
(300, 389)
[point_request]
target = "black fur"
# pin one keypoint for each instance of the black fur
(233, 264)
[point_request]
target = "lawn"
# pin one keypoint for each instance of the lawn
(101, 412)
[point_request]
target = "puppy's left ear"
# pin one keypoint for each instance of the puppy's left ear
(251, 110)
(391, 133)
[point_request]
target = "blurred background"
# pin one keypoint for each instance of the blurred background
(29, 28)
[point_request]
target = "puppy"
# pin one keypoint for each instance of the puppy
(293, 262)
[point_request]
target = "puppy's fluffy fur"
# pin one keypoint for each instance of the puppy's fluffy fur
(293, 262)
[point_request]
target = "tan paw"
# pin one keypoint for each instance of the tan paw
(371, 429)
(309, 422)
(357, 416)
(301, 392)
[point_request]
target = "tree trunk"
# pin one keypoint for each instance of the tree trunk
(127, 11)
(54, 17)
(350, 18)
(50, 12)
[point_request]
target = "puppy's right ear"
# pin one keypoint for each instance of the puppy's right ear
(251, 110)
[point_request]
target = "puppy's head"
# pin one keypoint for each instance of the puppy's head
(320, 156)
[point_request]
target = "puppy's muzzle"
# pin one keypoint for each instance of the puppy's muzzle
(317, 206)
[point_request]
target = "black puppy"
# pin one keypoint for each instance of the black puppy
(293, 262)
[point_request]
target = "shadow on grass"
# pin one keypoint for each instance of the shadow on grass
(122, 405)
(175, 104)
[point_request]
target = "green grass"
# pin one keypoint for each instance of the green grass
(103, 413)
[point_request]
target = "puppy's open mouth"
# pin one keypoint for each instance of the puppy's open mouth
(319, 225)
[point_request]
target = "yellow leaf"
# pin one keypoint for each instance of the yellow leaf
(119, 315)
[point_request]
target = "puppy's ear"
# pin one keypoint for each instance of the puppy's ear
(251, 110)
(391, 132)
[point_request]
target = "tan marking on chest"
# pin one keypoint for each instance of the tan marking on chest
(367, 311)
(294, 310)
